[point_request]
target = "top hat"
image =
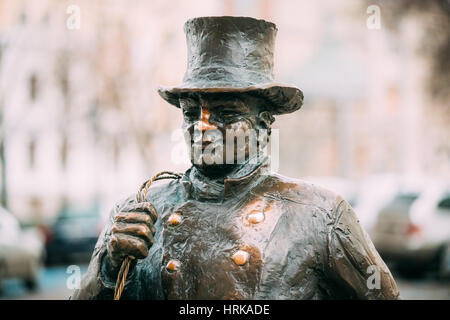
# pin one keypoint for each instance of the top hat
(233, 54)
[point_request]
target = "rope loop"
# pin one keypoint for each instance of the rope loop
(141, 196)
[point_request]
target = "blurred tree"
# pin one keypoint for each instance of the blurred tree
(435, 15)
(3, 190)
(118, 82)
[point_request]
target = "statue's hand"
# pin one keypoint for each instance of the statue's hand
(132, 233)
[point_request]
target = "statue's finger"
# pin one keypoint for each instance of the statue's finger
(146, 207)
(126, 245)
(134, 217)
(134, 229)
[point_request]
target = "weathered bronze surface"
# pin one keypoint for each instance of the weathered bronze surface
(235, 231)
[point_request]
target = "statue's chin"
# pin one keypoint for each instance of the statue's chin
(216, 170)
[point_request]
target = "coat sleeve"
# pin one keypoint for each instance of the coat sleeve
(354, 263)
(97, 283)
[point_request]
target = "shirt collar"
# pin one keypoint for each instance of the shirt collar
(199, 187)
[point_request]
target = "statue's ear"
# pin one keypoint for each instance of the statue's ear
(265, 120)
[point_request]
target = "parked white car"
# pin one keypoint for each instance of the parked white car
(413, 230)
(374, 193)
(21, 251)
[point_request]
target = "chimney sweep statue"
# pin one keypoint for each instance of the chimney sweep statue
(234, 230)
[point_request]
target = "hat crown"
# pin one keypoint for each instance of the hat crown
(229, 51)
(233, 55)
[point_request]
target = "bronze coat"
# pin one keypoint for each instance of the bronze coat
(309, 244)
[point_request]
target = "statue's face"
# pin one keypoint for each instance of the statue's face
(211, 123)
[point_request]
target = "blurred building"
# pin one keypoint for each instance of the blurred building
(81, 118)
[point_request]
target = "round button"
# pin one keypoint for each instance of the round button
(175, 219)
(255, 217)
(240, 257)
(173, 265)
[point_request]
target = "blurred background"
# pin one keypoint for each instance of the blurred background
(82, 126)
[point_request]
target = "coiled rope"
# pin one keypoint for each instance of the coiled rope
(140, 197)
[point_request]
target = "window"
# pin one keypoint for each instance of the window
(32, 152)
(116, 152)
(64, 151)
(401, 204)
(444, 204)
(23, 17)
(33, 87)
(406, 198)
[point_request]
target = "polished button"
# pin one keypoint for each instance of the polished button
(175, 219)
(240, 257)
(255, 217)
(173, 265)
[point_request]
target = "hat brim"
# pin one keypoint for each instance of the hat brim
(283, 99)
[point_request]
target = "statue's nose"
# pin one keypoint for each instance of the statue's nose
(204, 121)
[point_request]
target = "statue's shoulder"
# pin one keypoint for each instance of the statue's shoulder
(301, 191)
(167, 190)
(159, 191)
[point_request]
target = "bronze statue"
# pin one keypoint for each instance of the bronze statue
(235, 230)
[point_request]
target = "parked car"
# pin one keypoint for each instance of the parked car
(374, 192)
(413, 230)
(73, 235)
(21, 250)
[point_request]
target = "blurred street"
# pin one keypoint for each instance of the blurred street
(424, 289)
(52, 285)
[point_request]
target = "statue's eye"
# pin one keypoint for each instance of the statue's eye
(191, 113)
(228, 112)
(186, 103)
